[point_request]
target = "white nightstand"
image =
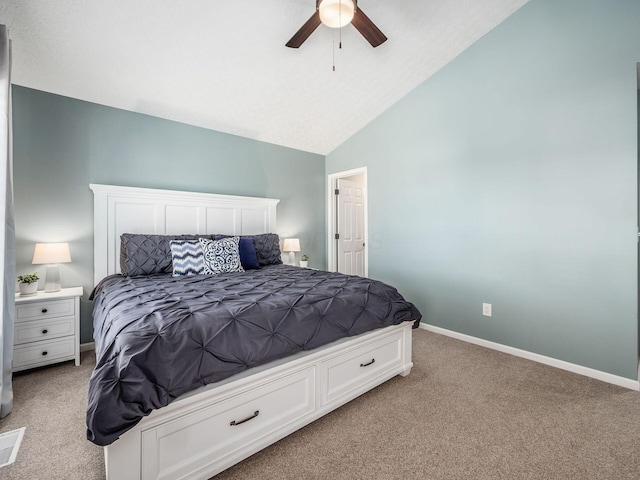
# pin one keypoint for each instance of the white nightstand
(47, 328)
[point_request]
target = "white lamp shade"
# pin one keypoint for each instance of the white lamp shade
(51, 253)
(336, 13)
(291, 245)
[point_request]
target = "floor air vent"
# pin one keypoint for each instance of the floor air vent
(9, 445)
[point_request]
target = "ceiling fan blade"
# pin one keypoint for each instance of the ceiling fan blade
(307, 29)
(368, 29)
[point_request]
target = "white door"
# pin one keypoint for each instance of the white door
(350, 241)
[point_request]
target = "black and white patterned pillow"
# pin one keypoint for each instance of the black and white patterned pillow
(221, 256)
(187, 257)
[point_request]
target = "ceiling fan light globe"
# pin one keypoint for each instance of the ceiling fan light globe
(336, 13)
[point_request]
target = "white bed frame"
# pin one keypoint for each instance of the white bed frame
(207, 431)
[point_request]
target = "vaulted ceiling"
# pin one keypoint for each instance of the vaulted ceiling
(223, 65)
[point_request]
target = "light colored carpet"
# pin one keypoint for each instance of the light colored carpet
(51, 402)
(465, 412)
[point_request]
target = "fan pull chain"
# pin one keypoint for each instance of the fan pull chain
(340, 22)
(334, 50)
(339, 37)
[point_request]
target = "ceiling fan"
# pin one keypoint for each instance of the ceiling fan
(337, 14)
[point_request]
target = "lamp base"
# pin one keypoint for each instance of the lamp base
(52, 279)
(292, 258)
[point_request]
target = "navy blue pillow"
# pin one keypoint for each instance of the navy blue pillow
(267, 247)
(248, 255)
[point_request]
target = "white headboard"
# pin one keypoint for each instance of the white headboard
(118, 210)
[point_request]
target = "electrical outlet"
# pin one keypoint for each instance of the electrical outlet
(486, 309)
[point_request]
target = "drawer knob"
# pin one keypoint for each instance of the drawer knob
(373, 360)
(235, 424)
(44, 353)
(45, 331)
(44, 310)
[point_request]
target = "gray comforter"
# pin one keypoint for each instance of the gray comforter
(158, 337)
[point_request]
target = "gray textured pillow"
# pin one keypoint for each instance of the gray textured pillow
(267, 247)
(142, 254)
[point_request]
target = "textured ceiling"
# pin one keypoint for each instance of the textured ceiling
(223, 65)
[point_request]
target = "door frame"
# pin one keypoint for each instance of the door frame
(332, 215)
(638, 215)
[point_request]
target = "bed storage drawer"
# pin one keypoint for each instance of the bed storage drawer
(217, 431)
(355, 370)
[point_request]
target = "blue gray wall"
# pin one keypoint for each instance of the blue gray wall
(509, 177)
(61, 145)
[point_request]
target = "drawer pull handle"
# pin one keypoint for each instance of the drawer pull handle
(45, 331)
(373, 360)
(44, 353)
(255, 414)
(44, 310)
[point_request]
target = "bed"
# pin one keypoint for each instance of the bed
(195, 373)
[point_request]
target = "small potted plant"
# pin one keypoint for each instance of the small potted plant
(28, 283)
(304, 261)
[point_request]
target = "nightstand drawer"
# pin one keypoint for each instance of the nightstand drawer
(42, 353)
(44, 309)
(36, 330)
(47, 328)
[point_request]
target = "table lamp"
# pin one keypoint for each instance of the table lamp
(291, 245)
(51, 254)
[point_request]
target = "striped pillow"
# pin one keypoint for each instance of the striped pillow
(187, 257)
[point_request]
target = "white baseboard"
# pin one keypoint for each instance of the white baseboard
(85, 347)
(571, 367)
